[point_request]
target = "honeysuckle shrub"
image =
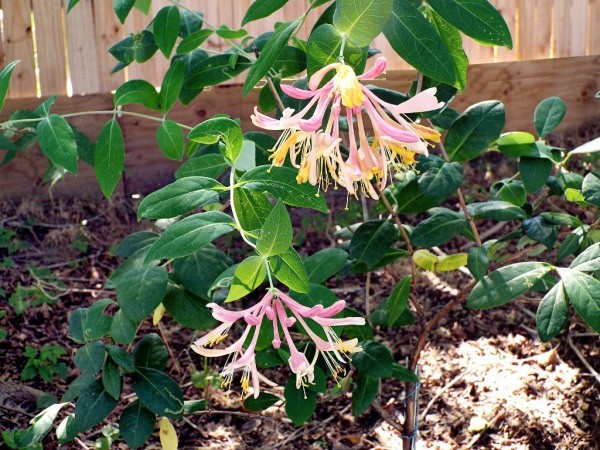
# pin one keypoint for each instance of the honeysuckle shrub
(407, 159)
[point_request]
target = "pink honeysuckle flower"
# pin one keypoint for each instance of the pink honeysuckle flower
(273, 306)
(395, 142)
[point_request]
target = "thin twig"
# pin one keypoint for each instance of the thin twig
(273, 90)
(169, 349)
(440, 393)
(582, 358)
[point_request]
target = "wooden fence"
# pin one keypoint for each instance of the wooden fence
(67, 54)
(519, 84)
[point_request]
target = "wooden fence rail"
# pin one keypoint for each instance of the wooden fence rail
(519, 84)
(67, 54)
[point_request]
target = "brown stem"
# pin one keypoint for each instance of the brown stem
(273, 90)
(461, 198)
(409, 247)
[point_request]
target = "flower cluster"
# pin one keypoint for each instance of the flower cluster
(321, 162)
(275, 306)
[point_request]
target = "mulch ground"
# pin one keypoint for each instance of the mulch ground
(487, 380)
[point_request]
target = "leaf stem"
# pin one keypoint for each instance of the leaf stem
(95, 113)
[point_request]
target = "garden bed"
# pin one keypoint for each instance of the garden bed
(488, 365)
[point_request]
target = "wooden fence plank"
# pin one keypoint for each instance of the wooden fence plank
(108, 32)
(18, 44)
(50, 44)
(579, 26)
(543, 28)
(81, 38)
(561, 43)
(594, 29)
(527, 30)
(508, 9)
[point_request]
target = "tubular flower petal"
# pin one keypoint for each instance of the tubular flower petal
(275, 306)
(314, 145)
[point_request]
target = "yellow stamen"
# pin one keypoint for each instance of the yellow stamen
(348, 86)
(427, 133)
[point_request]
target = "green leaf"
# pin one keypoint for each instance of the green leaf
(77, 325)
(588, 261)
(171, 86)
(109, 157)
(269, 54)
(122, 8)
(589, 147)
(506, 283)
(453, 40)
(170, 140)
(219, 129)
(187, 309)
(371, 241)
(71, 4)
(553, 313)
(289, 269)
(90, 357)
(5, 79)
(66, 430)
(478, 262)
(190, 235)
(534, 172)
(111, 379)
(324, 46)
(180, 197)
(77, 386)
(475, 130)
(561, 219)
(591, 188)
(548, 115)
(211, 166)
(250, 274)
(166, 28)
(584, 293)
(192, 406)
(569, 246)
(57, 141)
(193, 41)
(93, 406)
(361, 20)
(276, 234)
(137, 91)
(140, 291)
(375, 359)
(364, 393)
(227, 33)
(198, 271)
(122, 330)
(403, 374)
(541, 231)
(97, 324)
(438, 229)
(143, 6)
(281, 183)
(121, 357)
(476, 18)
(262, 402)
(416, 41)
(215, 70)
(396, 302)
(252, 209)
(262, 8)
(41, 425)
(134, 242)
(497, 210)
(300, 404)
(136, 424)
(191, 21)
(136, 47)
(324, 264)
(410, 200)
(509, 191)
(451, 262)
(150, 352)
(158, 392)
(440, 178)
